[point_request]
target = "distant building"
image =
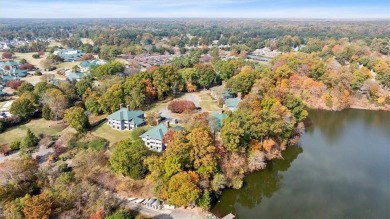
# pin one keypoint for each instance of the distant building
(219, 116)
(232, 103)
(126, 119)
(71, 75)
(69, 55)
(86, 65)
(153, 138)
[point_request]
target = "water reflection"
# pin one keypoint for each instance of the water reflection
(259, 185)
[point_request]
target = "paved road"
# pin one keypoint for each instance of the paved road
(42, 152)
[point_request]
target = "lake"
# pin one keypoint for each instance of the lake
(340, 170)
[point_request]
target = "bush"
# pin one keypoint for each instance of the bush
(36, 56)
(2, 126)
(37, 73)
(14, 84)
(120, 215)
(180, 106)
(15, 145)
(96, 144)
(26, 66)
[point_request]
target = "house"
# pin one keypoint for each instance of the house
(69, 55)
(153, 138)
(219, 116)
(232, 103)
(86, 65)
(18, 73)
(126, 119)
(76, 76)
(220, 92)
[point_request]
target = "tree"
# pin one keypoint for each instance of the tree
(180, 106)
(232, 135)
(120, 214)
(182, 190)
(22, 107)
(127, 158)
(57, 102)
(202, 151)
(92, 105)
(83, 85)
(110, 68)
(38, 206)
(243, 82)
(204, 201)
(206, 74)
(25, 87)
(112, 98)
(47, 113)
(28, 145)
(77, 119)
(14, 84)
(6, 55)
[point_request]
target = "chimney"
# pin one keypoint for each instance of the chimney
(168, 125)
(121, 106)
(239, 95)
(222, 111)
(128, 107)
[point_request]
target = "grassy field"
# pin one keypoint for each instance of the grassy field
(28, 56)
(67, 65)
(112, 135)
(38, 126)
(206, 102)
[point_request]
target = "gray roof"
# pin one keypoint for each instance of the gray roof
(232, 102)
(133, 117)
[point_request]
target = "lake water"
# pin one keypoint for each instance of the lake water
(340, 170)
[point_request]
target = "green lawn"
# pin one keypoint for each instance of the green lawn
(112, 135)
(38, 126)
(207, 103)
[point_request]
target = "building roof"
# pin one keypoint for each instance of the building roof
(19, 73)
(76, 76)
(232, 102)
(158, 132)
(219, 116)
(132, 116)
(85, 64)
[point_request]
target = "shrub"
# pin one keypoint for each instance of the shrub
(120, 214)
(35, 56)
(14, 84)
(37, 73)
(26, 66)
(2, 126)
(180, 106)
(15, 145)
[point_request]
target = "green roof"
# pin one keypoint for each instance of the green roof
(158, 132)
(133, 117)
(76, 76)
(219, 116)
(85, 64)
(232, 102)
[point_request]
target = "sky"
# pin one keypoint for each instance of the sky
(332, 9)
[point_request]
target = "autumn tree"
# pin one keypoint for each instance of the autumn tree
(111, 99)
(38, 206)
(57, 102)
(206, 75)
(22, 107)
(232, 135)
(182, 190)
(25, 87)
(180, 106)
(76, 118)
(6, 55)
(202, 151)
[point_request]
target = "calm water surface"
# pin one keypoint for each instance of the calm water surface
(340, 170)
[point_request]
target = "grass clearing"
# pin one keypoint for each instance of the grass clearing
(207, 102)
(112, 135)
(38, 126)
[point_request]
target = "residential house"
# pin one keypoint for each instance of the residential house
(71, 75)
(153, 138)
(69, 55)
(86, 65)
(126, 119)
(232, 103)
(219, 116)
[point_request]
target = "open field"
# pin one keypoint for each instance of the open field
(28, 56)
(113, 136)
(38, 126)
(207, 102)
